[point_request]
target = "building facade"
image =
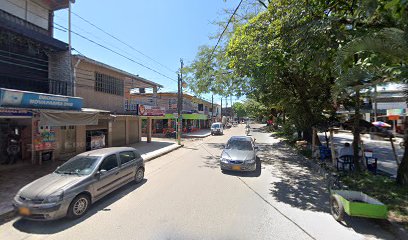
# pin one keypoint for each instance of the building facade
(196, 114)
(106, 90)
(32, 60)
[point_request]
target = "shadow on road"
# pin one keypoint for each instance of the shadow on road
(216, 145)
(299, 186)
(56, 226)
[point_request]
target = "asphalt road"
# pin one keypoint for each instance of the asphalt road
(186, 196)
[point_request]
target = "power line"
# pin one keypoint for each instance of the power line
(119, 40)
(93, 35)
(225, 28)
(124, 56)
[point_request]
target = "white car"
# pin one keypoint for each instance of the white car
(216, 128)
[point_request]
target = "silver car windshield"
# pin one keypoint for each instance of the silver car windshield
(216, 126)
(240, 145)
(80, 165)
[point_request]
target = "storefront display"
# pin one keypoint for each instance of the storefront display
(43, 137)
(95, 139)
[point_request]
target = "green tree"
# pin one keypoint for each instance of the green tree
(239, 109)
(379, 56)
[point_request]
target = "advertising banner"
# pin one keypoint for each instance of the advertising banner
(44, 137)
(23, 99)
(146, 110)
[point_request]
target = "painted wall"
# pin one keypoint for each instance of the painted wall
(32, 11)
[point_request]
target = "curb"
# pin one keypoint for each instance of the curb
(149, 157)
(7, 216)
(198, 136)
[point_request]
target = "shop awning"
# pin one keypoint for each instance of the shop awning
(67, 118)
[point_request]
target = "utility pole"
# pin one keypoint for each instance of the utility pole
(221, 109)
(226, 105)
(232, 111)
(180, 102)
(212, 108)
(71, 80)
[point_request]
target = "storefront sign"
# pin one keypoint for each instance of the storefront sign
(146, 110)
(131, 105)
(15, 113)
(24, 99)
(391, 112)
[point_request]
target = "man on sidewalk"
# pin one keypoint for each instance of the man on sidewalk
(346, 150)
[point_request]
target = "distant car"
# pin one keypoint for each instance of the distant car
(217, 128)
(239, 154)
(78, 183)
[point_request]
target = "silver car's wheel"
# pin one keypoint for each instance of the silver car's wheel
(79, 206)
(139, 175)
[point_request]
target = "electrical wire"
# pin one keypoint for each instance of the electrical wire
(225, 29)
(119, 40)
(95, 36)
(122, 55)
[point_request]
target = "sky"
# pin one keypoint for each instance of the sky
(161, 29)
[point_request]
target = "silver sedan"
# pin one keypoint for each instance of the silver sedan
(239, 154)
(81, 181)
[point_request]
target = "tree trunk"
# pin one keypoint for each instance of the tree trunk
(327, 139)
(308, 136)
(402, 174)
(356, 133)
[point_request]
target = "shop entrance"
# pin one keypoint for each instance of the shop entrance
(96, 139)
(15, 140)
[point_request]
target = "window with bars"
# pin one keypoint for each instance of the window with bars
(172, 103)
(108, 84)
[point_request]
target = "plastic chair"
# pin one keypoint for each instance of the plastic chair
(345, 160)
(371, 164)
(325, 153)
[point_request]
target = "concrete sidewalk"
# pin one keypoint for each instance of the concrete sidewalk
(14, 177)
(156, 148)
(202, 133)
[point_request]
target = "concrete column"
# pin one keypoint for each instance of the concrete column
(139, 129)
(127, 130)
(110, 133)
(80, 143)
(149, 129)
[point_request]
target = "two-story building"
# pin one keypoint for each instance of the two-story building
(32, 60)
(106, 90)
(196, 114)
(54, 105)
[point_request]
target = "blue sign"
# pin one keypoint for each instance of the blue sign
(24, 99)
(15, 113)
